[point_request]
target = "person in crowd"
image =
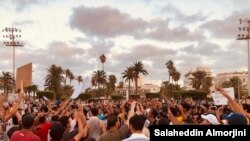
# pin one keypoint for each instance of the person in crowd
(136, 124)
(115, 132)
(209, 119)
(95, 126)
(26, 133)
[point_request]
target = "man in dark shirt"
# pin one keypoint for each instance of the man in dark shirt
(115, 133)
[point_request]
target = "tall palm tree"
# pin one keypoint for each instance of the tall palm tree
(79, 79)
(234, 82)
(112, 80)
(176, 76)
(169, 64)
(6, 82)
(54, 78)
(103, 60)
(200, 80)
(137, 69)
(71, 77)
(128, 75)
(99, 78)
(111, 84)
(67, 73)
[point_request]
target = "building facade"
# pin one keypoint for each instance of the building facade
(222, 77)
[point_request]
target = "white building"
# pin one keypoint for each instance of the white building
(151, 88)
(222, 77)
(187, 80)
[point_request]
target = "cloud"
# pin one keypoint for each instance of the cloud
(104, 22)
(202, 49)
(178, 15)
(161, 31)
(226, 28)
(23, 23)
(143, 52)
(99, 47)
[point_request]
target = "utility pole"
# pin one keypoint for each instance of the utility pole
(246, 36)
(12, 35)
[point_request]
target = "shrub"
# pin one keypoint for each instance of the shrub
(195, 94)
(117, 97)
(134, 96)
(47, 94)
(85, 96)
(152, 95)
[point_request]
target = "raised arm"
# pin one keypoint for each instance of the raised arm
(16, 106)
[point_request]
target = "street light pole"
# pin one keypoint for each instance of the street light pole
(246, 37)
(12, 34)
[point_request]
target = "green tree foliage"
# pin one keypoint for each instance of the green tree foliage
(152, 95)
(128, 75)
(54, 78)
(201, 81)
(48, 94)
(138, 68)
(6, 82)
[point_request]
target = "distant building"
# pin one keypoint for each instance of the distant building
(187, 80)
(146, 88)
(222, 77)
(150, 88)
(24, 73)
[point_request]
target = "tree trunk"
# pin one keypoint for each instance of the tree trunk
(136, 85)
(128, 88)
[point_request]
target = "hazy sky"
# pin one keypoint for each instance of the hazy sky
(74, 33)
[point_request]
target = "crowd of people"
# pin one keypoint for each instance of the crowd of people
(129, 120)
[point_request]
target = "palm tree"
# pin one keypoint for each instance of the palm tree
(67, 72)
(234, 82)
(176, 76)
(99, 78)
(71, 77)
(54, 78)
(200, 80)
(6, 82)
(103, 60)
(112, 80)
(137, 69)
(68, 89)
(128, 75)
(172, 72)
(79, 79)
(120, 86)
(169, 64)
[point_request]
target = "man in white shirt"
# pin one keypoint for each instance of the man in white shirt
(136, 124)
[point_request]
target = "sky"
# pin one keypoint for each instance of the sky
(74, 33)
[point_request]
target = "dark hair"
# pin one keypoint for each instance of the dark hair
(163, 121)
(44, 109)
(111, 121)
(94, 111)
(27, 121)
(174, 111)
(56, 131)
(186, 106)
(64, 120)
(154, 112)
(42, 119)
(137, 122)
(55, 118)
(15, 120)
(246, 107)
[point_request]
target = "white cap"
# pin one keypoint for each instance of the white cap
(211, 118)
